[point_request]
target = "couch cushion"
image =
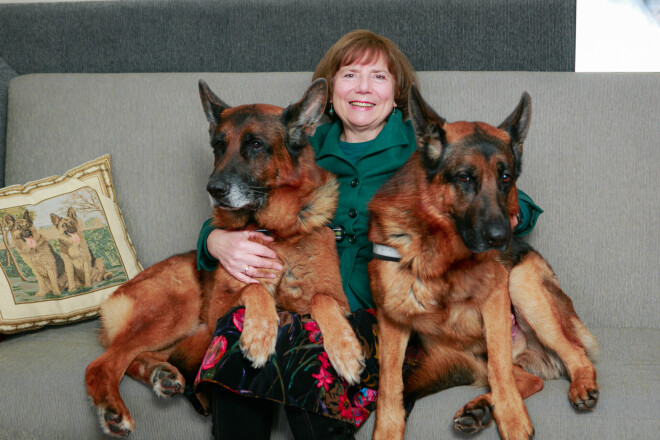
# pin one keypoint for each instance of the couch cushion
(44, 395)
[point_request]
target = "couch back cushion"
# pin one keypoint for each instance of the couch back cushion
(590, 161)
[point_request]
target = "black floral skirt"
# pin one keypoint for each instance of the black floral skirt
(299, 373)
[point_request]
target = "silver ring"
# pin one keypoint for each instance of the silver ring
(246, 269)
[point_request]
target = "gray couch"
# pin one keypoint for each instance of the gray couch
(591, 161)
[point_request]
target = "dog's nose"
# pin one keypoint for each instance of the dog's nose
(217, 189)
(496, 235)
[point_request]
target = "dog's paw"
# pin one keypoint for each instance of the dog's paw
(583, 392)
(167, 381)
(115, 424)
(474, 416)
(584, 398)
(346, 355)
(258, 339)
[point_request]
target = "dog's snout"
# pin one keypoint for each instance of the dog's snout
(496, 234)
(217, 188)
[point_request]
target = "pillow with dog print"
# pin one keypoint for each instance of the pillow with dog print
(64, 248)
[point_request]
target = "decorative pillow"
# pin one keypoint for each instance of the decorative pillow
(64, 248)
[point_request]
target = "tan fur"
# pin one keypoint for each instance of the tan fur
(38, 254)
(158, 326)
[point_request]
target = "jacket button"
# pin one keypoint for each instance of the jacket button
(352, 213)
(355, 182)
(351, 238)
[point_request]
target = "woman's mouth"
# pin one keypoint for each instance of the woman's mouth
(361, 104)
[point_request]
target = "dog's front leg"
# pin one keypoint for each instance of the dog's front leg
(87, 271)
(70, 273)
(344, 350)
(260, 325)
(508, 408)
(52, 278)
(390, 413)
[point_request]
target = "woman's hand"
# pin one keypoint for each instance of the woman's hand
(236, 251)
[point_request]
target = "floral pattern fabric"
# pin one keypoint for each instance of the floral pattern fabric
(299, 373)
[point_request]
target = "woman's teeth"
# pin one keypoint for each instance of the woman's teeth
(361, 104)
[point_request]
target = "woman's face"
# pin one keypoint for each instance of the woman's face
(363, 98)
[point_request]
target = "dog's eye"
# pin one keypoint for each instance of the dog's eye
(463, 178)
(255, 145)
(506, 178)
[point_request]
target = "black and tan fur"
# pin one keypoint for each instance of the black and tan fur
(82, 268)
(157, 326)
(37, 253)
(461, 275)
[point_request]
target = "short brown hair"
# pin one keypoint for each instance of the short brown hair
(364, 45)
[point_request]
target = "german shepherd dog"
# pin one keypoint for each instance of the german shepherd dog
(82, 268)
(157, 326)
(35, 250)
(460, 277)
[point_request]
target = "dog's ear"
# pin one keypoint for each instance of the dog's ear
(26, 216)
(211, 104)
(71, 213)
(517, 125)
(429, 133)
(55, 219)
(301, 118)
(10, 221)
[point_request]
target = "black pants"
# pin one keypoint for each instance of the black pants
(236, 417)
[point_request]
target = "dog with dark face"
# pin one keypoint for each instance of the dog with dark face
(37, 253)
(487, 307)
(158, 326)
(82, 268)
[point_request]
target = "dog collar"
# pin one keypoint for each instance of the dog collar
(387, 253)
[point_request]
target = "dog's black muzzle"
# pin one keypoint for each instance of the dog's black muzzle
(489, 235)
(233, 192)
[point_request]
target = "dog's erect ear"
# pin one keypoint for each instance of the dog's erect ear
(428, 131)
(301, 118)
(71, 213)
(211, 104)
(10, 221)
(26, 216)
(55, 219)
(517, 125)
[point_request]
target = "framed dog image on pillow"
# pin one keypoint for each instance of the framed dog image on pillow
(64, 248)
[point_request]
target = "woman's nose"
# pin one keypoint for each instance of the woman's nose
(363, 84)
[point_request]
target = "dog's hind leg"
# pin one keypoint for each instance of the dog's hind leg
(149, 313)
(443, 367)
(477, 414)
(153, 369)
(538, 299)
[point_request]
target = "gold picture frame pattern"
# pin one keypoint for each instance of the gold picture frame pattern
(76, 237)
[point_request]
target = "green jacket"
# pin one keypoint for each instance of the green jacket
(357, 184)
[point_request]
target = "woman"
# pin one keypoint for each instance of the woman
(366, 143)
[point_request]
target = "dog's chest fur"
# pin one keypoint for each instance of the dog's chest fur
(309, 260)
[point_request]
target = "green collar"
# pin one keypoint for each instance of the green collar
(392, 135)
